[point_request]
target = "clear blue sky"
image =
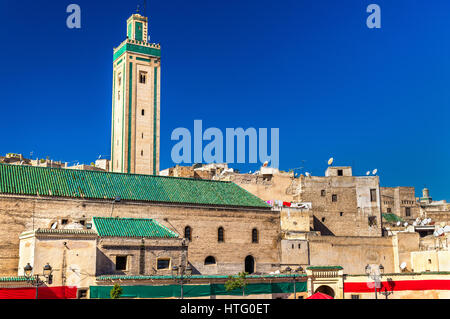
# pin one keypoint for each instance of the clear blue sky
(369, 98)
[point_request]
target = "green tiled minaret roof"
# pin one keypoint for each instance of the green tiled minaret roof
(58, 182)
(131, 227)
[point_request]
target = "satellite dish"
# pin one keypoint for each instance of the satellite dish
(405, 224)
(435, 234)
(374, 171)
(403, 265)
(266, 163)
(330, 161)
(54, 225)
(368, 173)
(307, 174)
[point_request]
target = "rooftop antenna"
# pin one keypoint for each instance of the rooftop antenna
(145, 8)
(137, 9)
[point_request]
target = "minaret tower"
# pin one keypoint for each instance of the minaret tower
(136, 102)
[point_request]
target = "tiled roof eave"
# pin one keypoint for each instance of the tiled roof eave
(79, 184)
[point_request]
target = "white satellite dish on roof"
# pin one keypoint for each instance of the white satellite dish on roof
(405, 224)
(266, 163)
(374, 171)
(54, 225)
(399, 223)
(368, 173)
(435, 233)
(402, 265)
(307, 174)
(330, 161)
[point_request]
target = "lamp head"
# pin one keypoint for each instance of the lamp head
(381, 268)
(28, 270)
(174, 270)
(47, 270)
(367, 269)
(188, 270)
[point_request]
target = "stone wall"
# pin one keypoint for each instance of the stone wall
(19, 213)
(342, 205)
(142, 255)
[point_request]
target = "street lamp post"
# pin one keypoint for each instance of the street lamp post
(294, 277)
(181, 274)
(35, 280)
(375, 276)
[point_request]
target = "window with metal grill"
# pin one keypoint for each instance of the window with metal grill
(254, 235)
(220, 235)
(187, 232)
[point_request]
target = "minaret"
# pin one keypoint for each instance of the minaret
(136, 101)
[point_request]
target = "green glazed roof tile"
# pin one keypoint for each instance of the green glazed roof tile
(13, 279)
(392, 218)
(324, 267)
(58, 182)
(131, 227)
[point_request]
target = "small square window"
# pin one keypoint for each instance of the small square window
(341, 214)
(163, 263)
(372, 220)
(121, 262)
(334, 198)
(64, 221)
(340, 172)
(323, 219)
(323, 192)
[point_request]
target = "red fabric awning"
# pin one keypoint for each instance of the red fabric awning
(319, 295)
(62, 292)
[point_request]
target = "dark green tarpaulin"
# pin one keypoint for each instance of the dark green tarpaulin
(167, 291)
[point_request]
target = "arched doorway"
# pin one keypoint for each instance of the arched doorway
(327, 290)
(249, 264)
